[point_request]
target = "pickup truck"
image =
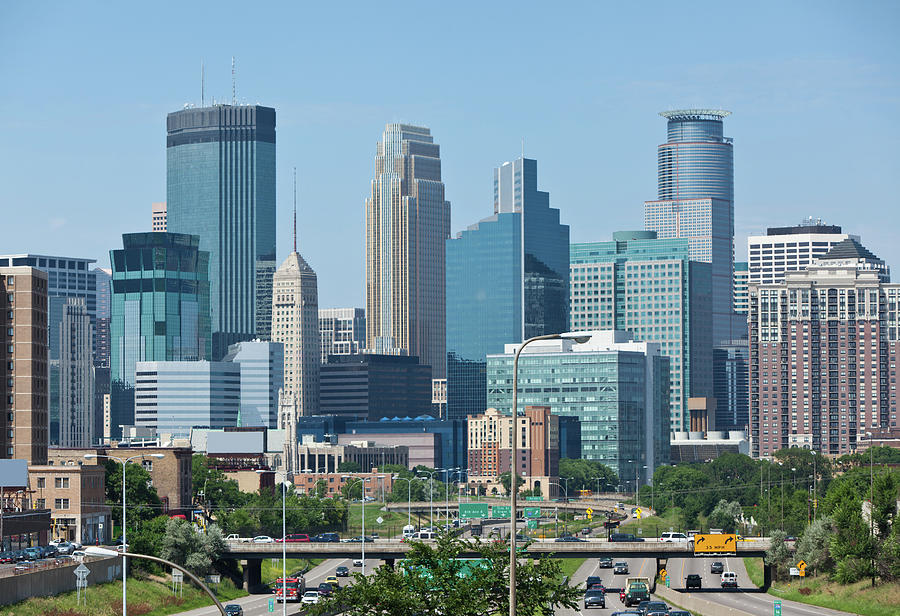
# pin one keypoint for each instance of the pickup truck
(637, 592)
(236, 537)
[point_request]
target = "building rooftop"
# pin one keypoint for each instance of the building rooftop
(849, 249)
(695, 114)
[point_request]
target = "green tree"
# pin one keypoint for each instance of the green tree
(583, 475)
(813, 546)
(505, 479)
(141, 499)
(195, 551)
(212, 488)
(435, 580)
(851, 542)
(778, 555)
(395, 469)
(348, 466)
(726, 515)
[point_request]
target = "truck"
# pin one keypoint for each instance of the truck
(236, 537)
(637, 589)
(289, 589)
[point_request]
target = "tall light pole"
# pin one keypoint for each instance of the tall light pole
(565, 521)
(448, 472)
(362, 481)
(872, 502)
(579, 337)
(123, 462)
(431, 494)
(283, 545)
(408, 498)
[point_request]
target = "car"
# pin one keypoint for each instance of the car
(679, 613)
(717, 567)
(233, 609)
(357, 562)
(585, 531)
(729, 579)
(629, 613)
(591, 581)
(325, 589)
(64, 547)
(655, 607)
(620, 568)
(342, 571)
(327, 538)
(310, 596)
(262, 539)
(594, 598)
(332, 579)
(569, 539)
(357, 539)
(622, 537)
(605, 563)
(673, 538)
(294, 538)
(78, 555)
(693, 580)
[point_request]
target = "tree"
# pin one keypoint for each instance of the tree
(583, 474)
(812, 547)
(212, 488)
(778, 555)
(504, 481)
(851, 543)
(726, 515)
(395, 469)
(141, 498)
(435, 580)
(348, 466)
(193, 550)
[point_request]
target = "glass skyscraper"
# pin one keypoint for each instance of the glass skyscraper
(695, 200)
(407, 222)
(220, 172)
(651, 288)
(262, 377)
(507, 281)
(159, 309)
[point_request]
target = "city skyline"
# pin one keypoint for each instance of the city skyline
(780, 94)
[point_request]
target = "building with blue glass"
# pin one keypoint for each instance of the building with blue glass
(159, 310)
(618, 388)
(695, 200)
(220, 186)
(651, 288)
(262, 376)
(507, 281)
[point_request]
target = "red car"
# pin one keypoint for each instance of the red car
(295, 538)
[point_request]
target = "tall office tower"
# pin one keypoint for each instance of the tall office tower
(221, 187)
(618, 388)
(24, 304)
(696, 200)
(159, 312)
(265, 270)
(507, 281)
(101, 324)
(76, 377)
(295, 324)
(407, 221)
(262, 377)
(67, 277)
(342, 331)
(370, 386)
(741, 280)
(731, 385)
(159, 216)
(651, 288)
(790, 249)
(823, 351)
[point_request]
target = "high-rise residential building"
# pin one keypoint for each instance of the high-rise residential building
(342, 331)
(790, 249)
(731, 385)
(24, 302)
(407, 222)
(696, 200)
(174, 396)
(262, 377)
(221, 187)
(823, 353)
(159, 310)
(159, 216)
(618, 388)
(651, 288)
(507, 281)
(76, 376)
(741, 280)
(372, 386)
(103, 276)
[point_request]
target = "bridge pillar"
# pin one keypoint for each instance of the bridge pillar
(661, 563)
(389, 562)
(252, 573)
(767, 576)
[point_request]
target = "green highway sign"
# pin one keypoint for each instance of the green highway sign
(467, 511)
(532, 512)
(534, 498)
(777, 607)
(500, 511)
(532, 524)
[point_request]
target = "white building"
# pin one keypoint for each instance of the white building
(262, 376)
(790, 249)
(342, 331)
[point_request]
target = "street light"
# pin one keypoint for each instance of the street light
(97, 551)
(565, 521)
(431, 494)
(123, 462)
(579, 337)
(408, 498)
(448, 472)
(283, 544)
(362, 481)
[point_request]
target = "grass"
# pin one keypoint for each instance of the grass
(754, 568)
(859, 598)
(145, 598)
(271, 568)
(653, 525)
(393, 521)
(570, 565)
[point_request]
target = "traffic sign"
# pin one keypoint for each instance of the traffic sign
(532, 512)
(663, 574)
(500, 511)
(801, 564)
(379, 519)
(777, 606)
(715, 544)
(532, 524)
(472, 510)
(795, 572)
(667, 583)
(81, 572)
(590, 513)
(271, 604)
(534, 498)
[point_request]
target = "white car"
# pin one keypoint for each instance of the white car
(310, 596)
(673, 538)
(263, 539)
(357, 562)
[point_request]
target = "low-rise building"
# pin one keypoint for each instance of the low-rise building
(376, 484)
(75, 494)
(326, 458)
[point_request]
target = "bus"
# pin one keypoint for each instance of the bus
(289, 589)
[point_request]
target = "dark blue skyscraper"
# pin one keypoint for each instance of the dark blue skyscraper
(507, 280)
(221, 187)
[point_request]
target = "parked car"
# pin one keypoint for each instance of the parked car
(729, 579)
(693, 580)
(620, 568)
(233, 609)
(342, 571)
(65, 548)
(294, 538)
(263, 539)
(717, 567)
(310, 596)
(594, 598)
(605, 563)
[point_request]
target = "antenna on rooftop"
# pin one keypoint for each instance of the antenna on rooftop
(202, 86)
(233, 90)
(295, 209)
(523, 147)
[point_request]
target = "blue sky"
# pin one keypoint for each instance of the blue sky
(814, 88)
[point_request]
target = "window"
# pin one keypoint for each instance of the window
(61, 503)
(61, 482)
(40, 503)
(148, 465)
(42, 482)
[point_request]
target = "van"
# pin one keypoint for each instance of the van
(408, 531)
(425, 534)
(729, 579)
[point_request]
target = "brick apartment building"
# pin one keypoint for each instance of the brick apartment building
(75, 494)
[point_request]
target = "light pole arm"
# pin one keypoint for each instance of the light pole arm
(185, 571)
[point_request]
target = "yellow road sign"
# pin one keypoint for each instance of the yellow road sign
(801, 565)
(802, 572)
(589, 511)
(715, 544)
(663, 574)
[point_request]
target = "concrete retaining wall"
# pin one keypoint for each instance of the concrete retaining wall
(695, 603)
(50, 582)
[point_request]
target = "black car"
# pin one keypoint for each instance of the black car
(591, 580)
(594, 598)
(325, 589)
(653, 607)
(716, 567)
(622, 537)
(233, 609)
(342, 571)
(605, 563)
(693, 580)
(621, 568)
(569, 539)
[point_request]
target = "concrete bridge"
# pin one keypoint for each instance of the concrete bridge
(598, 504)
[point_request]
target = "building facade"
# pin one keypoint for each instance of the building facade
(618, 388)
(651, 288)
(76, 377)
(741, 282)
(326, 458)
(262, 377)
(75, 494)
(790, 249)
(103, 277)
(450, 435)
(507, 281)
(370, 386)
(342, 331)
(823, 353)
(695, 200)
(220, 186)
(407, 222)
(158, 211)
(731, 384)
(174, 396)
(24, 304)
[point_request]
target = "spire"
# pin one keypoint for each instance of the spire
(295, 209)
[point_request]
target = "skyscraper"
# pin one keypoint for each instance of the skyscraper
(741, 280)
(507, 281)
(262, 377)
(790, 249)
(342, 330)
(221, 187)
(76, 376)
(407, 221)
(159, 312)
(159, 216)
(649, 287)
(696, 200)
